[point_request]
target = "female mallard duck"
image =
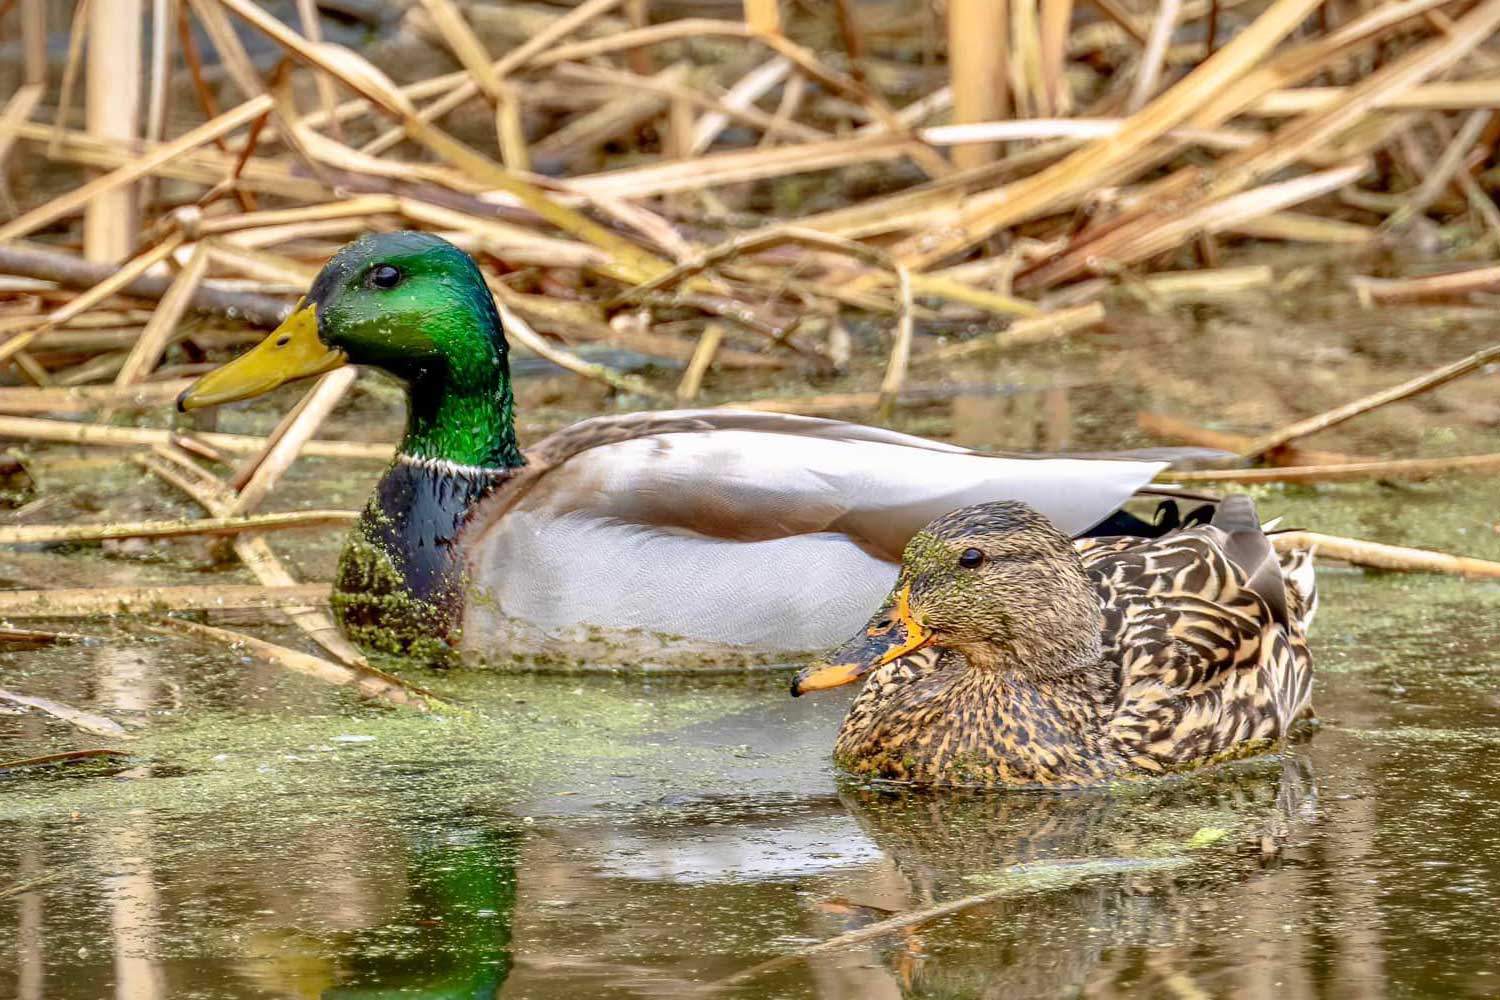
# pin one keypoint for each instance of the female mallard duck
(696, 537)
(1005, 656)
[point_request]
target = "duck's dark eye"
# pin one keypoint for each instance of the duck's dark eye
(970, 558)
(385, 276)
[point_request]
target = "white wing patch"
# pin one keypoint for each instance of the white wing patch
(798, 593)
(751, 538)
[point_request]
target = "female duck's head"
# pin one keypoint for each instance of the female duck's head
(995, 582)
(413, 305)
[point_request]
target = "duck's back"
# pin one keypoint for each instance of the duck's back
(1207, 628)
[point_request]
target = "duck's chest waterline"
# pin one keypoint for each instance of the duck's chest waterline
(968, 727)
(402, 581)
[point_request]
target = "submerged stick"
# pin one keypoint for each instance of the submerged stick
(1377, 555)
(1018, 874)
(37, 534)
(85, 722)
(370, 682)
(51, 760)
(1407, 389)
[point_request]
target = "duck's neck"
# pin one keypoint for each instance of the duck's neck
(464, 416)
(402, 584)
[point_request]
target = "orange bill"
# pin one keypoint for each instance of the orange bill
(889, 637)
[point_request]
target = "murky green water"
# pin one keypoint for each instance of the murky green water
(628, 837)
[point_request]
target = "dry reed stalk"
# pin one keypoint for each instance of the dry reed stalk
(1073, 128)
(1167, 428)
(17, 110)
(361, 207)
(232, 55)
(749, 114)
(279, 271)
(1112, 10)
(1153, 57)
(69, 432)
(703, 356)
(370, 683)
(87, 398)
(737, 166)
(147, 352)
(1451, 95)
(99, 279)
(521, 332)
(1427, 287)
(77, 32)
(613, 119)
(1412, 387)
(895, 369)
(201, 166)
(112, 99)
(1022, 333)
(117, 281)
(1203, 284)
(1441, 173)
(743, 94)
(977, 59)
(47, 534)
(1377, 555)
(307, 14)
(1302, 228)
(134, 169)
(1397, 468)
(1056, 18)
(33, 41)
(763, 16)
(469, 50)
(278, 457)
(85, 602)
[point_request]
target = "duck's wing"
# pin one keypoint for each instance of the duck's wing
(750, 529)
(1209, 633)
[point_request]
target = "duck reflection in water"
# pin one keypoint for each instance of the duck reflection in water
(452, 938)
(1083, 883)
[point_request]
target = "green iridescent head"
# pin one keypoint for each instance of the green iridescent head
(995, 582)
(411, 304)
(415, 306)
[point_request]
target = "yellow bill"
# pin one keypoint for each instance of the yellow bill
(292, 351)
(876, 646)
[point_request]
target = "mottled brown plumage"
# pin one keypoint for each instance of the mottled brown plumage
(1009, 656)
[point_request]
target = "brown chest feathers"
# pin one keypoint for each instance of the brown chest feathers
(931, 719)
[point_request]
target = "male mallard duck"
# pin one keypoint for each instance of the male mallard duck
(692, 536)
(1006, 656)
